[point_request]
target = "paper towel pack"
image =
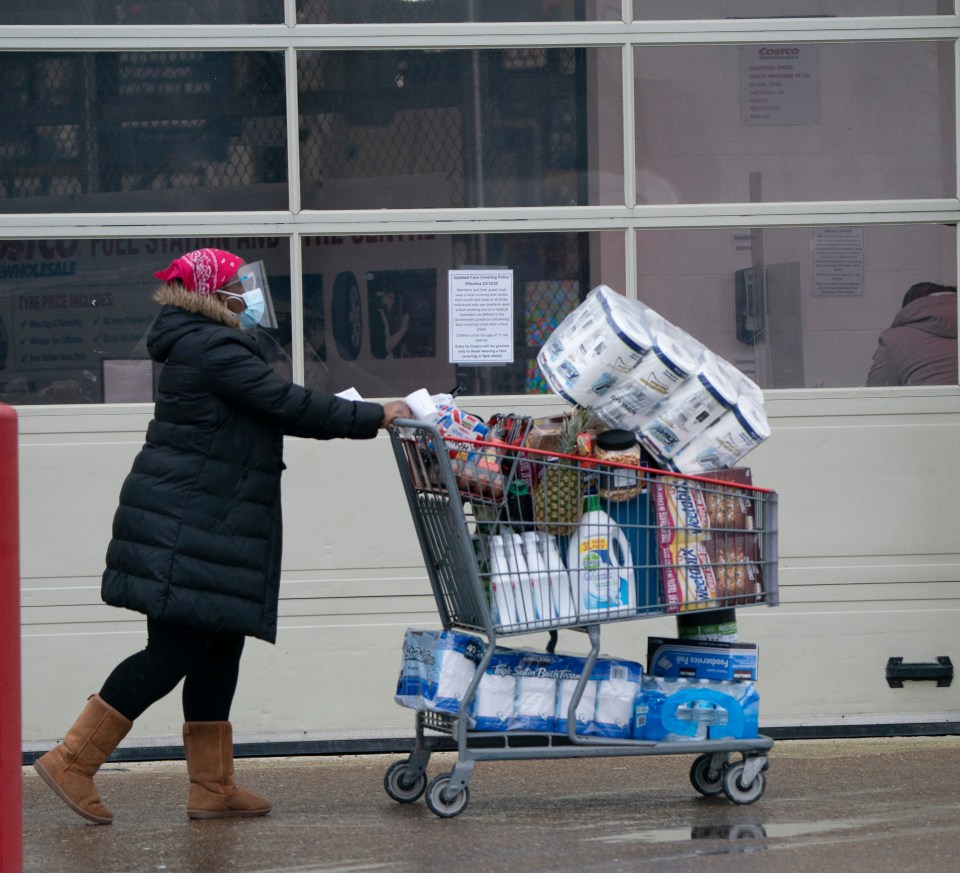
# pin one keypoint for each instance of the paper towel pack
(637, 371)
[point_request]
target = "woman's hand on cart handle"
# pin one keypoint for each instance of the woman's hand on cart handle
(394, 409)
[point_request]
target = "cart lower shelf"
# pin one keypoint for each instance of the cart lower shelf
(714, 771)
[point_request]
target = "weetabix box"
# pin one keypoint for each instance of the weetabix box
(683, 528)
(706, 541)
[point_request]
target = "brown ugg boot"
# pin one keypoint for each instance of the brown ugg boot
(69, 767)
(208, 746)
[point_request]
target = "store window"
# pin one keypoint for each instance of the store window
(377, 311)
(185, 133)
(427, 11)
(798, 307)
(790, 307)
(650, 10)
(498, 127)
(59, 12)
(74, 314)
(142, 131)
(854, 121)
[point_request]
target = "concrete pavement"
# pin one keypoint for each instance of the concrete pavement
(857, 806)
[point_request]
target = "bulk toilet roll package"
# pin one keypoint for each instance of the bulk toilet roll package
(690, 409)
(521, 689)
(526, 690)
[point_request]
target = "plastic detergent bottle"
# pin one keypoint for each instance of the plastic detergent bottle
(501, 587)
(539, 574)
(599, 555)
(526, 601)
(561, 596)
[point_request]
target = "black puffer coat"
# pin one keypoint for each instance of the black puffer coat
(197, 536)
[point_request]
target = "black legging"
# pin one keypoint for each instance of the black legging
(207, 661)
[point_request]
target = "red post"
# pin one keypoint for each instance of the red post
(11, 780)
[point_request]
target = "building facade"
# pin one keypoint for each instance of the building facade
(772, 185)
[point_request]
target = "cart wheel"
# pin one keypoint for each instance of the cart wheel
(439, 803)
(736, 790)
(400, 786)
(708, 781)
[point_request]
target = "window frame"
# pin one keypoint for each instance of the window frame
(627, 218)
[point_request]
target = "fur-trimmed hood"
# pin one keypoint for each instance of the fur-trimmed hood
(175, 294)
(183, 313)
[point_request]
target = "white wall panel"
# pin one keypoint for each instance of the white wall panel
(870, 569)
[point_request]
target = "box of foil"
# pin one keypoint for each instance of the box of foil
(696, 659)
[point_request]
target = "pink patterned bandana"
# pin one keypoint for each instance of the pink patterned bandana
(203, 271)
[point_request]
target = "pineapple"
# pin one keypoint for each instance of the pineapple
(557, 498)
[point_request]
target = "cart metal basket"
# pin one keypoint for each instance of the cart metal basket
(510, 550)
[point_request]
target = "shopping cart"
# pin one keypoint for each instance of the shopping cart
(680, 544)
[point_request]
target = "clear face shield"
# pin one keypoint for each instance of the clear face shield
(256, 296)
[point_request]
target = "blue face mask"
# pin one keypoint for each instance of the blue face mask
(256, 304)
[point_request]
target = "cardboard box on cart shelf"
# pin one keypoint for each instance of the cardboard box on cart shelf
(701, 660)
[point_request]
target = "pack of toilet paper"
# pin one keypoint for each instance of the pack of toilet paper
(520, 690)
(495, 704)
(692, 410)
(532, 691)
(606, 707)
(437, 669)
(596, 348)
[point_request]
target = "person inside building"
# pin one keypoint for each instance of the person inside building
(196, 543)
(389, 325)
(920, 347)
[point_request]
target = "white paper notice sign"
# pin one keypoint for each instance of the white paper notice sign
(838, 262)
(779, 84)
(481, 317)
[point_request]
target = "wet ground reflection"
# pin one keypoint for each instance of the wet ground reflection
(731, 832)
(740, 831)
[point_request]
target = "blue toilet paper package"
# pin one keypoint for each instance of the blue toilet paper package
(494, 706)
(437, 669)
(532, 691)
(520, 689)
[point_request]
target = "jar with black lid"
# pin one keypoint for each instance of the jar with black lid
(620, 446)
